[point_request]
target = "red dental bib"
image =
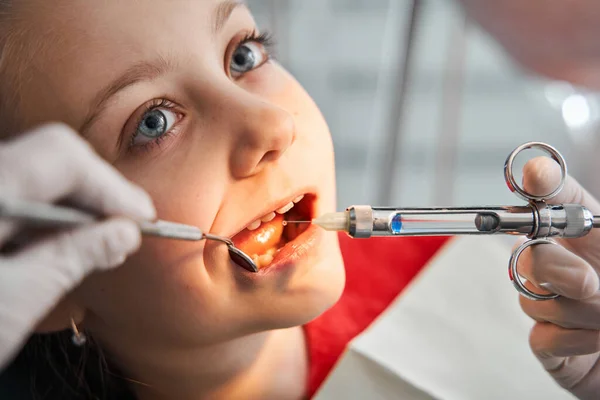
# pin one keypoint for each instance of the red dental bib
(376, 272)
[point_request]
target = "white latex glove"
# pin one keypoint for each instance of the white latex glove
(48, 164)
(566, 337)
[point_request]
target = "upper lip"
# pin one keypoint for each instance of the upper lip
(274, 205)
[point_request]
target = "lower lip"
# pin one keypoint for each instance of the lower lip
(301, 248)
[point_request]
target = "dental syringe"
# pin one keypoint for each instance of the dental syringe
(536, 219)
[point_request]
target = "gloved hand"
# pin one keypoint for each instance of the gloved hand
(48, 164)
(566, 336)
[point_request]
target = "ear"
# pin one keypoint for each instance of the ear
(59, 318)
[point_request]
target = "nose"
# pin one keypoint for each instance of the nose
(264, 132)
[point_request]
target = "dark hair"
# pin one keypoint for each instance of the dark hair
(50, 367)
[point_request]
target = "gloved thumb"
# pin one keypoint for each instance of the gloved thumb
(542, 175)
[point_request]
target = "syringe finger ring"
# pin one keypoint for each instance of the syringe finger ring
(513, 272)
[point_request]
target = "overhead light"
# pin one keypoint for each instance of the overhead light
(576, 111)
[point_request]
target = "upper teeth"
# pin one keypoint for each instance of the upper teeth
(254, 225)
(269, 216)
(285, 208)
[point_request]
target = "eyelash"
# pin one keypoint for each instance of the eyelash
(265, 39)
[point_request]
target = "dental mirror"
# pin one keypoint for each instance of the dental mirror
(242, 259)
(236, 255)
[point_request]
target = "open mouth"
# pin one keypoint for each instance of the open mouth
(264, 238)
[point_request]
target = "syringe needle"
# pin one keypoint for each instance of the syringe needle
(284, 223)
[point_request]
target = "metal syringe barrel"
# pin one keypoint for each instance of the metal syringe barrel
(533, 220)
(562, 220)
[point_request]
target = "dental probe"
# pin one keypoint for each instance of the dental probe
(42, 215)
(536, 220)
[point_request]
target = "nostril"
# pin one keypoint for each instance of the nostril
(270, 156)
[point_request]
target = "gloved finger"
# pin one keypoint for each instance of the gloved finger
(541, 175)
(557, 270)
(65, 166)
(33, 281)
(549, 341)
(565, 312)
(64, 260)
(569, 355)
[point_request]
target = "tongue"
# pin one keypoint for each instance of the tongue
(259, 241)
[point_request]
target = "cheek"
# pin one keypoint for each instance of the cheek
(182, 192)
(186, 182)
(314, 137)
(167, 283)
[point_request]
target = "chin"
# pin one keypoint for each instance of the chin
(317, 292)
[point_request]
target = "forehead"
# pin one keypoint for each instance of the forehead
(110, 18)
(85, 44)
(126, 27)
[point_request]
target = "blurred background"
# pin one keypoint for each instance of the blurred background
(466, 105)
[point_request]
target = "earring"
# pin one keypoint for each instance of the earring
(78, 338)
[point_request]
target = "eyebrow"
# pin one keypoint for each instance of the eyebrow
(223, 12)
(146, 71)
(140, 72)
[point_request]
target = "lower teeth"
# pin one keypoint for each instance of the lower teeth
(264, 259)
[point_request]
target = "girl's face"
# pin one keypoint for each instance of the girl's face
(182, 98)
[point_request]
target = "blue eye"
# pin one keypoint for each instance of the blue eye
(246, 57)
(154, 124)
